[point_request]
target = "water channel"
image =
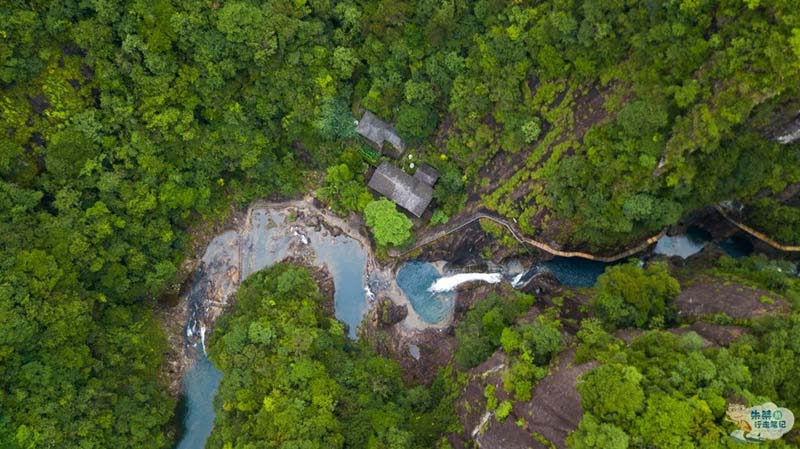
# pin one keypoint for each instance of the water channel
(271, 235)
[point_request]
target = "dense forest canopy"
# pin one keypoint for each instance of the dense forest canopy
(292, 378)
(123, 123)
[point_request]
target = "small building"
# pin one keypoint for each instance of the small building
(427, 174)
(412, 193)
(378, 132)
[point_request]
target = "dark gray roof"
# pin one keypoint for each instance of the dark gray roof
(406, 191)
(426, 174)
(377, 132)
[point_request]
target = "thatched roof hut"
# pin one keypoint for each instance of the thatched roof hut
(409, 192)
(426, 174)
(377, 132)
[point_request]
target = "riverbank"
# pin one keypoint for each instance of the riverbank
(249, 240)
(235, 244)
(304, 232)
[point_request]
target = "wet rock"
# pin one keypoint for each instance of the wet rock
(388, 313)
(313, 222)
(467, 263)
(709, 220)
(708, 257)
(544, 283)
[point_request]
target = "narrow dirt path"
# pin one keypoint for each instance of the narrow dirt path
(464, 221)
(757, 234)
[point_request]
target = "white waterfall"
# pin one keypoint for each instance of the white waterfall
(203, 337)
(303, 237)
(517, 279)
(789, 134)
(448, 283)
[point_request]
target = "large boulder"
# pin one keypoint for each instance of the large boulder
(388, 313)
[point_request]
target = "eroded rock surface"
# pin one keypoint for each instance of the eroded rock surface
(552, 413)
(709, 296)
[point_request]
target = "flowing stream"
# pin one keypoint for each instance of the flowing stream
(268, 237)
(449, 283)
(431, 296)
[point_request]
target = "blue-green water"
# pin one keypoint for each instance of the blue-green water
(347, 264)
(264, 243)
(683, 245)
(574, 271)
(414, 278)
(199, 388)
(737, 246)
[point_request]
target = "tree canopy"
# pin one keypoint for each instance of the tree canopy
(631, 296)
(126, 127)
(388, 225)
(292, 378)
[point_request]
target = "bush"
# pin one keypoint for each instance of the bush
(532, 129)
(389, 226)
(503, 410)
(343, 191)
(612, 392)
(593, 434)
(479, 333)
(631, 296)
(416, 123)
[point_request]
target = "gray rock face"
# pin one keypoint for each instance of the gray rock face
(389, 313)
(710, 296)
(544, 283)
(552, 413)
(789, 133)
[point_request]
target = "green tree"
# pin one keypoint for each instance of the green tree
(479, 333)
(631, 296)
(389, 226)
(593, 434)
(612, 392)
(343, 190)
(416, 122)
(335, 122)
(308, 371)
(531, 130)
(667, 422)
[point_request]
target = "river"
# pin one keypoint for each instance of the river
(269, 236)
(430, 292)
(273, 234)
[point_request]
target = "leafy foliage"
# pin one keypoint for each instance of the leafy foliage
(285, 362)
(631, 296)
(344, 191)
(532, 347)
(389, 226)
(480, 331)
(779, 221)
(667, 390)
(592, 434)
